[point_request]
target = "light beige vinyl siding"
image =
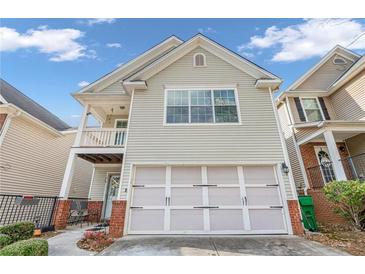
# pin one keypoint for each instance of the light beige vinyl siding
(289, 140)
(356, 144)
(256, 140)
(302, 133)
(115, 87)
(349, 101)
(97, 190)
(35, 161)
(110, 120)
(325, 75)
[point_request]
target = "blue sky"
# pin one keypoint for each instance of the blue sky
(47, 59)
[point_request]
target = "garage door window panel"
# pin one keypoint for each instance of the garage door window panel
(187, 220)
(226, 219)
(144, 196)
(150, 176)
(224, 196)
(267, 219)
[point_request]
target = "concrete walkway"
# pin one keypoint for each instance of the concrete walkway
(64, 244)
(218, 246)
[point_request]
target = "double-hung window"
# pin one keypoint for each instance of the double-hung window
(199, 106)
(312, 109)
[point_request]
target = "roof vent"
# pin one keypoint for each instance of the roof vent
(339, 61)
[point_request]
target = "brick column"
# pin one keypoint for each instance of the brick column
(116, 224)
(94, 208)
(62, 213)
(295, 219)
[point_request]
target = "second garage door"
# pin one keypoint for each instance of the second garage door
(206, 200)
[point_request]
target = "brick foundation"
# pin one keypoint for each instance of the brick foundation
(94, 208)
(295, 218)
(323, 209)
(62, 213)
(116, 224)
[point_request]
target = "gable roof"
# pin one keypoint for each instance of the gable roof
(130, 67)
(209, 45)
(336, 50)
(352, 71)
(13, 96)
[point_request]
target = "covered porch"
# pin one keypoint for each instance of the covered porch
(335, 151)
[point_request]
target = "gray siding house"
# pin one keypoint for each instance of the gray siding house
(189, 143)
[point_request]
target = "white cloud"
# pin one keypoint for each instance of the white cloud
(59, 44)
(96, 21)
(83, 84)
(207, 30)
(113, 45)
(313, 37)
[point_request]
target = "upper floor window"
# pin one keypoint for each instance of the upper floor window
(312, 109)
(201, 106)
(199, 60)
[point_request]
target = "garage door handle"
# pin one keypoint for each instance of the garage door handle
(204, 185)
(206, 206)
(276, 206)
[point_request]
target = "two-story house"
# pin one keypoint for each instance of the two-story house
(189, 143)
(323, 119)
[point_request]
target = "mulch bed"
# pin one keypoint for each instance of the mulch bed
(352, 242)
(94, 245)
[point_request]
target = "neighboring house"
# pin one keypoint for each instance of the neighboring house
(323, 118)
(34, 148)
(189, 143)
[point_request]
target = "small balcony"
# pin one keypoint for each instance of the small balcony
(103, 137)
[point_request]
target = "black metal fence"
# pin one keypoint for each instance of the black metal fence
(37, 209)
(319, 175)
(356, 166)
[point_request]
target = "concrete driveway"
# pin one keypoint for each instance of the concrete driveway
(217, 246)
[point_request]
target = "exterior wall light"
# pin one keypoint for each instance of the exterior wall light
(284, 168)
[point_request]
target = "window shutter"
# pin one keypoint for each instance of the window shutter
(300, 109)
(324, 108)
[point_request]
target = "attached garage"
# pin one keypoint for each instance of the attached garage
(206, 200)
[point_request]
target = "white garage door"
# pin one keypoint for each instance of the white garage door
(206, 200)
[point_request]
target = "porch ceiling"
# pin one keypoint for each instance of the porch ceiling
(102, 158)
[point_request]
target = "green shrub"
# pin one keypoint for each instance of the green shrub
(18, 231)
(30, 247)
(348, 198)
(4, 240)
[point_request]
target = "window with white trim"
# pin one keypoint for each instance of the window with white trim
(312, 109)
(201, 106)
(199, 60)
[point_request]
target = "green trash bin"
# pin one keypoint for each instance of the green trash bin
(307, 208)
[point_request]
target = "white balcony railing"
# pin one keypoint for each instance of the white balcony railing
(103, 137)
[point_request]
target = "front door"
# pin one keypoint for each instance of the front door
(325, 163)
(111, 194)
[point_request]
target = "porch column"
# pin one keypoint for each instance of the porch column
(335, 155)
(67, 177)
(82, 125)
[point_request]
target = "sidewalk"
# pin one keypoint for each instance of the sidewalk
(64, 244)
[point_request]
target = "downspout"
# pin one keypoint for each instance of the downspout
(306, 184)
(283, 145)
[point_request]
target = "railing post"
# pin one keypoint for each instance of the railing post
(335, 155)
(82, 126)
